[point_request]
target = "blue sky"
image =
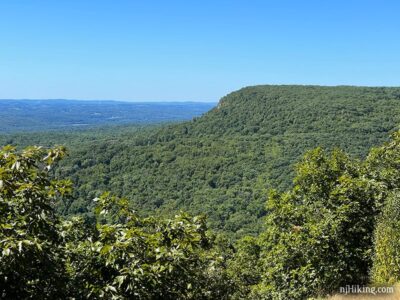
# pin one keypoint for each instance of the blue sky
(192, 50)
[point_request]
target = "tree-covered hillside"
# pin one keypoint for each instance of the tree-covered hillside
(221, 164)
(286, 110)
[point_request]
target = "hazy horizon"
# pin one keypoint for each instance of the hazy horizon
(185, 101)
(178, 50)
(114, 100)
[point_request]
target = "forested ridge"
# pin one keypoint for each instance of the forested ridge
(295, 189)
(223, 163)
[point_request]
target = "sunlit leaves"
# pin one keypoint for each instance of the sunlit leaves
(144, 258)
(31, 258)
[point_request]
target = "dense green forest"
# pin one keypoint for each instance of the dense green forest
(223, 163)
(337, 226)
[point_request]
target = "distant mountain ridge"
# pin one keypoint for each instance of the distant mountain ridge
(223, 163)
(59, 114)
(279, 109)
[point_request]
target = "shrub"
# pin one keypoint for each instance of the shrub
(386, 267)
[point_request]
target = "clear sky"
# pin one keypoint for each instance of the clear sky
(192, 50)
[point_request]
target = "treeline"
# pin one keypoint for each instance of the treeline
(338, 225)
(223, 163)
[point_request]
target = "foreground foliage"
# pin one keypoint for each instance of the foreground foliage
(121, 257)
(320, 235)
(31, 261)
(143, 258)
(387, 244)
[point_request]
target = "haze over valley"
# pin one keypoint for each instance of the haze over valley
(44, 115)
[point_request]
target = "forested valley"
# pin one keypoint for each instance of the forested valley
(279, 192)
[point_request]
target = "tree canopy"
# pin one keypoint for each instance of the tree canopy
(336, 226)
(223, 163)
(208, 209)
